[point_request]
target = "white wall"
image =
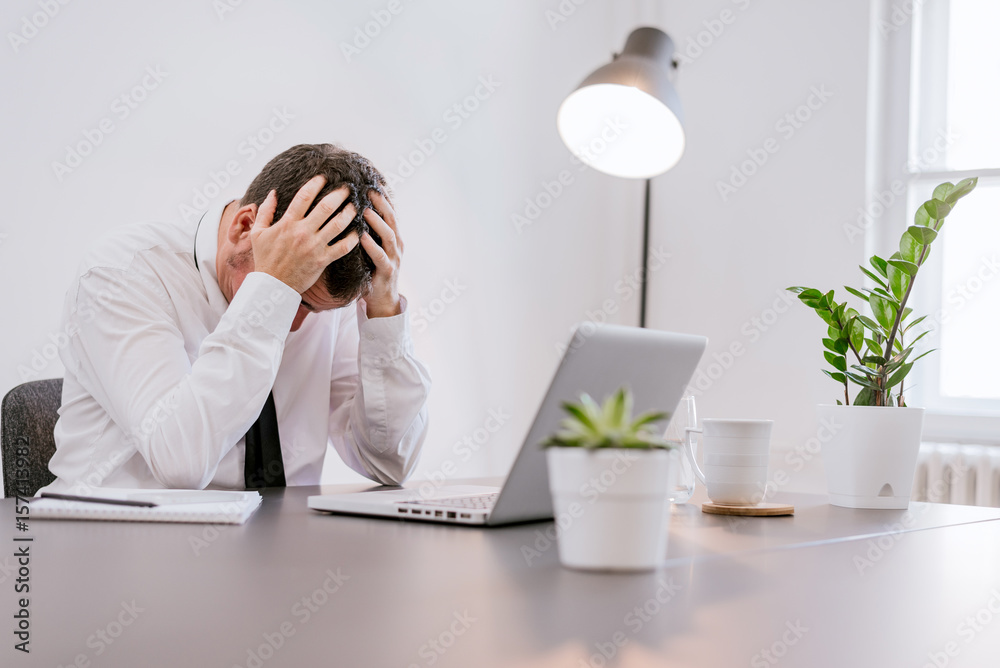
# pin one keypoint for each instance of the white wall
(784, 226)
(494, 347)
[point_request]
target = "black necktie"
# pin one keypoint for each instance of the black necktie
(264, 466)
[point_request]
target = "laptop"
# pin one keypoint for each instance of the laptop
(598, 360)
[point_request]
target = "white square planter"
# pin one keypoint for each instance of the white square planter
(872, 454)
(612, 506)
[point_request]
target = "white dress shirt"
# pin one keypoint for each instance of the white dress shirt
(164, 377)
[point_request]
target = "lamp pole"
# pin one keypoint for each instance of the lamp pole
(644, 277)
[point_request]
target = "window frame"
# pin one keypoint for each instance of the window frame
(904, 120)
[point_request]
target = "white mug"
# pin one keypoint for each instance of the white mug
(735, 459)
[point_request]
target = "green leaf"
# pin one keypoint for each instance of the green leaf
(941, 192)
(834, 332)
(874, 347)
(648, 418)
(906, 314)
(877, 279)
(811, 303)
(937, 209)
(838, 362)
(883, 293)
(884, 311)
(910, 248)
(857, 293)
(901, 357)
(857, 333)
(839, 377)
(866, 397)
(825, 314)
(924, 235)
(878, 263)
(838, 346)
(921, 355)
(862, 381)
(899, 281)
(592, 408)
(961, 189)
(920, 336)
(615, 408)
(870, 324)
(922, 218)
(868, 371)
(915, 322)
(908, 267)
(899, 375)
(580, 415)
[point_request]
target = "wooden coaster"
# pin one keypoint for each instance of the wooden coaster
(760, 510)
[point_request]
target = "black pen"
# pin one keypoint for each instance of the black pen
(94, 499)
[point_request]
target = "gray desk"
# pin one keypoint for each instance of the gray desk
(829, 587)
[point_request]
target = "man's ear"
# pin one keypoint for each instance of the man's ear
(239, 229)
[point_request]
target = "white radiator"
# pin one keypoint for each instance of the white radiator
(964, 474)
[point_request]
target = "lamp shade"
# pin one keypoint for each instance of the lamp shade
(625, 119)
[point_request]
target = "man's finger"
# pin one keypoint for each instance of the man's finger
(319, 216)
(338, 224)
(342, 247)
(265, 212)
(375, 252)
(382, 229)
(304, 197)
(384, 209)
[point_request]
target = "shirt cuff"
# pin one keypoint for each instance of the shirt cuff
(264, 301)
(384, 340)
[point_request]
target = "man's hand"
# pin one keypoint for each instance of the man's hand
(383, 300)
(296, 251)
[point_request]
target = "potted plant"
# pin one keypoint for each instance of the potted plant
(871, 456)
(609, 476)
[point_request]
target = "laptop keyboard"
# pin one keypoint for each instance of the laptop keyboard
(477, 502)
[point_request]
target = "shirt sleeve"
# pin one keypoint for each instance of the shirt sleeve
(378, 396)
(182, 410)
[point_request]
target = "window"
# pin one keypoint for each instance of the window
(937, 114)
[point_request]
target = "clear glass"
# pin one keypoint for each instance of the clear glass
(681, 484)
(970, 360)
(973, 103)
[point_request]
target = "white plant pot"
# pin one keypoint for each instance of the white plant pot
(611, 506)
(871, 455)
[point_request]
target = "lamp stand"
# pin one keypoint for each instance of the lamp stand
(645, 260)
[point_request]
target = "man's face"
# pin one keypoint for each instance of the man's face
(314, 300)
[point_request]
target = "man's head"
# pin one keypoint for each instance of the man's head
(345, 279)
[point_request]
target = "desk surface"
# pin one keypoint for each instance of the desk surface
(828, 587)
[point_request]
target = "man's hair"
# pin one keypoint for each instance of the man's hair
(348, 277)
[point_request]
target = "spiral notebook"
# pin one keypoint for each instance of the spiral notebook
(171, 505)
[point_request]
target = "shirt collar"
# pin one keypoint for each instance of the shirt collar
(206, 248)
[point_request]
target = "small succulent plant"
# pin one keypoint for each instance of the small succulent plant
(590, 425)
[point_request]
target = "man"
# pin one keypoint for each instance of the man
(229, 354)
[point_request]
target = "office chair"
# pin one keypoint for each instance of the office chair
(27, 418)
